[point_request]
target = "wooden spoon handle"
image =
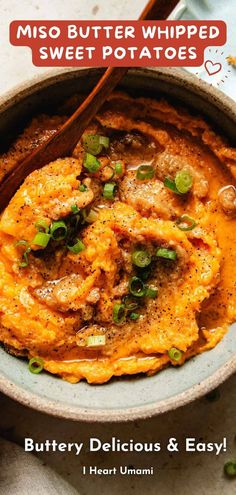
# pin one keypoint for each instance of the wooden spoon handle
(158, 10)
(65, 139)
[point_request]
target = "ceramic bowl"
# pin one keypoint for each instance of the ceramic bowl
(125, 398)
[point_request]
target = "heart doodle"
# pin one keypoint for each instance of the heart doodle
(212, 68)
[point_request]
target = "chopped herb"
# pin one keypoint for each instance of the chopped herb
(83, 188)
(141, 258)
(77, 247)
(118, 168)
(96, 340)
(134, 316)
(137, 287)
(175, 354)
(109, 190)
(168, 254)
(145, 172)
(36, 365)
(75, 209)
(91, 163)
(41, 239)
(183, 181)
(186, 223)
(119, 313)
(58, 230)
(151, 292)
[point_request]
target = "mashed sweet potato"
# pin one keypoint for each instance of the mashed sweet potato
(107, 268)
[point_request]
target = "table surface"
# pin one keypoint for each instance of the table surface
(196, 473)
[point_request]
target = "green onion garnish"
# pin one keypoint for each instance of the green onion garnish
(74, 209)
(168, 254)
(96, 340)
(58, 230)
(36, 365)
(134, 316)
(118, 168)
(93, 143)
(83, 188)
(230, 468)
(170, 184)
(77, 247)
(25, 256)
(91, 216)
(91, 163)
(41, 239)
(141, 258)
(137, 287)
(151, 292)
(42, 226)
(22, 242)
(130, 303)
(109, 190)
(186, 223)
(118, 313)
(175, 354)
(183, 181)
(104, 141)
(145, 172)
(111, 170)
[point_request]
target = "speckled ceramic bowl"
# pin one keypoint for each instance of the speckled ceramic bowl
(124, 398)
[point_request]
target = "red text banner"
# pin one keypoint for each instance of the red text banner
(117, 43)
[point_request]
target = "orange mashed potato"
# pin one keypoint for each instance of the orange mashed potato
(100, 273)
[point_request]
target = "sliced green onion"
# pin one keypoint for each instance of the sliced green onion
(130, 303)
(118, 313)
(186, 223)
(168, 254)
(112, 171)
(77, 247)
(141, 258)
(145, 172)
(151, 292)
(75, 209)
(41, 239)
(91, 216)
(183, 181)
(134, 316)
(22, 242)
(175, 354)
(92, 144)
(42, 226)
(170, 184)
(109, 190)
(104, 141)
(36, 365)
(230, 468)
(83, 188)
(25, 256)
(91, 163)
(118, 168)
(58, 230)
(96, 340)
(137, 287)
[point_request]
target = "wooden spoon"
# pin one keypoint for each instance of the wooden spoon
(63, 142)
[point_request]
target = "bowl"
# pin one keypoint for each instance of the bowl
(125, 398)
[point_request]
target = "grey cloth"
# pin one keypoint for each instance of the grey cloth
(22, 473)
